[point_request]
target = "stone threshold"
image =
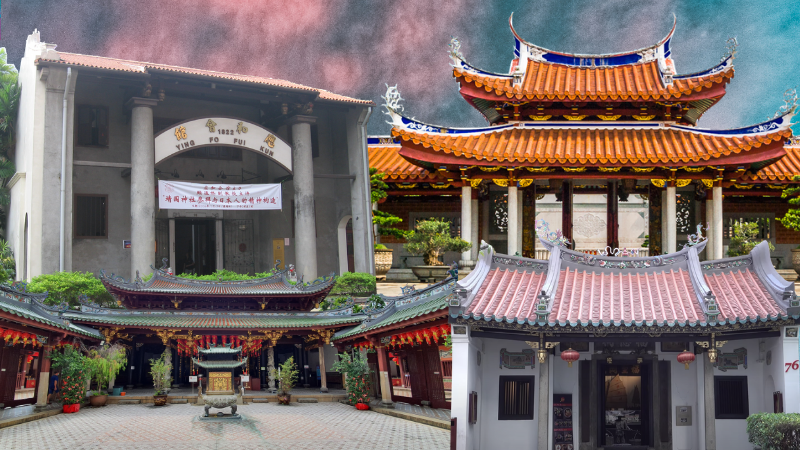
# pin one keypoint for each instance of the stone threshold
(10, 422)
(438, 423)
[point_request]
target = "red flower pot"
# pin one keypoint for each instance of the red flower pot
(362, 406)
(71, 408)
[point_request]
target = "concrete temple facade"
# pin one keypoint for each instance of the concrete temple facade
(113, 128)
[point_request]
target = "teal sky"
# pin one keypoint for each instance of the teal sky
(355, 47)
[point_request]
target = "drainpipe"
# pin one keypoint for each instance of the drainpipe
(368, 216)
(63, 173)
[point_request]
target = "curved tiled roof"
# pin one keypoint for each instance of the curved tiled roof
(549, 81)
(102, 62)
(507, 294)
(783, 169)
(387, 159)
(29, 306)
(589, 145)
(215, 321)
(741, 295)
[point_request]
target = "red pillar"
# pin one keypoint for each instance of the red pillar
(566, 210)
(383, 376)
(612, 215)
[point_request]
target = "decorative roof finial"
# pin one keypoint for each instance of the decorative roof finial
(392, 99)
(554, 238)
(694, 239)
(789, 102)
(730, 47)
(455, 50)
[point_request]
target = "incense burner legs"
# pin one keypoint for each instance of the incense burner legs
(220, 402)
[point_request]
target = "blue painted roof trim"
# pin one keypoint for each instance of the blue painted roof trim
(716, 69)
(783, 121)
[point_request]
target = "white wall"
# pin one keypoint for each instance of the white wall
(684, 393)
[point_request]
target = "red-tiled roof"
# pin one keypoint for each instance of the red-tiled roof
(508, 295)
(783, 169)
(741, 295)
(102, 62)
(387, 160)
(594, 297)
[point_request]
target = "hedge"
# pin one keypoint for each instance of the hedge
(772, 431)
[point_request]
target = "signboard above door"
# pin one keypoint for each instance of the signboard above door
(183, 195)
(222, 131)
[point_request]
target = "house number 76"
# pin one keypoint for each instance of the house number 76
(792, 365)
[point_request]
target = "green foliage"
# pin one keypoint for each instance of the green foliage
(69, 286)
(354, 283)
(161, 371)
(9, 105)
(745, 238)
(792, 218)
(431, 238)
(333, 303)
(74, 368)
(105, 363)
(357, 371)
(222, 274)
(381, 247)
(774, 431)
(385, 221)
(286, 376)
(448, 341)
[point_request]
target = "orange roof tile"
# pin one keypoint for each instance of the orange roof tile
(102, 62)
(387, 160)
(783, 169)
(548, 81)
(578, 145)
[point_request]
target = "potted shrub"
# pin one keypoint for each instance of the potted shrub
(74, 373)
(745, 238)
(286, 376)
(431, 238)
(105, 362)
(385, 223)
(161, 371)
(357, 372)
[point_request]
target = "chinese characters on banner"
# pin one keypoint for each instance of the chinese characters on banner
(183, 195)
(562, 422)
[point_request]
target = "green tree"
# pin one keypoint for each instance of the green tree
(74, 369)
(9, 106)
(105, 363)
(792, 218)
(357, 370)
(69, 286)
(431, 238)
(384, 220)
(745, 238)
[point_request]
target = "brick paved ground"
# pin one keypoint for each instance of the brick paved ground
(329, 426)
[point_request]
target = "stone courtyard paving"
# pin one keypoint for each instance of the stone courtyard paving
(330, 426)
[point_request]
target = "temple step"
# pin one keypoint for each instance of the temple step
(260, 400)
(129, 402)
(307, 400)
(179, 400)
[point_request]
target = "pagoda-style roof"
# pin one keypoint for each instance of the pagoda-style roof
(384, 156)
(574, 289)
(165, 291)
(782, 170)
(212, 365)
(599, 143)
(31, 307)
(220, 350)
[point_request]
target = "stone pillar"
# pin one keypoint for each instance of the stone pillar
(305, 235)
(143, 186)
(544, 403)
(358, 164)
(474, 239)
(612, 215)
(466, 222)
(716, 222)
(791, 381)
(663, 221)
(386, 382)
(710, 233)
(324, 387)
(566, 211)
(708, 398)
(44, 377)
(270, 368)
(513, 219)
(672, 218)
(520, 219)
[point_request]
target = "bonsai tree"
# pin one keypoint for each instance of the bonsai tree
(69, 286)
(286, 376)
(431, 238)
(792, 218)
(357, 371)
(74, 373)
(745, 238)
(104, 364)
(161, 371)
(385, 221)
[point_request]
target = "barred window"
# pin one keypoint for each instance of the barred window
(91, 216)
(730, 397)
(92, 126)
(516, 398)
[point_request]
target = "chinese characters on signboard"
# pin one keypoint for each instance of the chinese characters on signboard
(562, 422)
(183, 195)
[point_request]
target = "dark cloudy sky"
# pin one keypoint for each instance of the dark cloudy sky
(354, 47)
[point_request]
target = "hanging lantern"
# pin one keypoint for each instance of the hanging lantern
(445, 329)
(570, 356)
(418, 336)
(686, 357)
(712, 355)
(542, 353)
(435, 334)
(426, 334)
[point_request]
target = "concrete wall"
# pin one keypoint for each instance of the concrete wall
(684, 393)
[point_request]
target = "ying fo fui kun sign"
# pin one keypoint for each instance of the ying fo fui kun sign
(222, 131)
(183, 195)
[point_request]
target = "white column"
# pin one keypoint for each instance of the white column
(358, 163)
(465, 365)
(672, 220)
(711, 232)
(323, 377)
(143, 186)
(220, 259)
(791, 380)
(305, 234)
(513, 219)
(716, 223)
(544, 403)
(172, 261)
(710, 422)
(520, 218)
(664, 221)
(474, 239)
(466, 222)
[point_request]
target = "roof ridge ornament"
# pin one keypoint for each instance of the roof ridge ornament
(551, 238)
(455, 52)
(392, 99)
(697, 238)
(731, 46)
(789, 103)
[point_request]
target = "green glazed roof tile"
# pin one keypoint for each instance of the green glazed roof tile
(273, 320)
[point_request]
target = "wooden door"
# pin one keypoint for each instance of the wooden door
(277, 253)
(417, 379)
(9, 365)
(433, 375)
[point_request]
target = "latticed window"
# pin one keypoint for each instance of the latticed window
(730, 397)
(685, 211)
(498, 214)
(91, 219)
(516, 398)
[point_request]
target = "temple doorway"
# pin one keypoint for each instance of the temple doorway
(625, 406)
(195, 246)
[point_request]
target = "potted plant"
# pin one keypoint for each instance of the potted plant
(105, 362)
(74, 373)
(431, 238)
(385, 223)
(356, 370)
(161, 371)
(286, 376)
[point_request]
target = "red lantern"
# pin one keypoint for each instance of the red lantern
(686, 357)
(445, 329)
(569, 356)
